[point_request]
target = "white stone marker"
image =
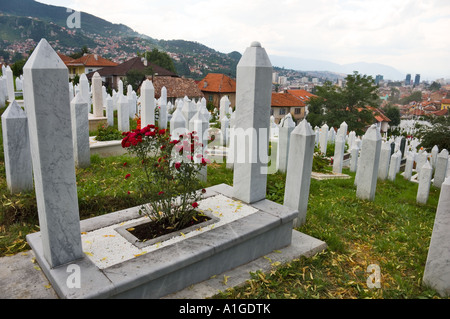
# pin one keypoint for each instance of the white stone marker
(368, 164)
(284, 135)
(16, 146)
(97, 95)
(177, 124)
(80, 131)
(147, 103)
(224, 107)
(253, 99)
(409, 166)
(298, 175)
(393, 166)
(354, 153)
(109, 110)
(426, 172)
(323, 139)
(224, 129)
(441, 168)
(338, 159)
(10, 84)
(385, 158)
(437, 267)
(434, 154)
(48, 111)
(188, 110)
(123, 114)
(163, 111)
(84, 90)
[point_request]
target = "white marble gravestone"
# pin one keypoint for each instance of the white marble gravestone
(253, 100)
(368, 164)
(385, 159)
(299, 167)
(109, 110)
(97, 95)
(16, 148)
(338, 159)
(123, 114)
(48, 111)
(441, 168)
(284, 135)
(437, 267)
(323, 139)
(426, 172)
(80, 131)
(147, 103)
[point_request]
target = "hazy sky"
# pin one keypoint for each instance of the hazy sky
(410, 35)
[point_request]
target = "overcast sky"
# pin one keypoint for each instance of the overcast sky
(410, 35)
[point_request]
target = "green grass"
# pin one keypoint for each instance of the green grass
(392, 231)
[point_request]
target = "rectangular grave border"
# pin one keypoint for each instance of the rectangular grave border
(172, 268)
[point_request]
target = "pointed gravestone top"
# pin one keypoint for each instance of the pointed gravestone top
(78, 99)
(14, 111)
(304, 128)
(147, 85)
(255, 56)
(44, 57)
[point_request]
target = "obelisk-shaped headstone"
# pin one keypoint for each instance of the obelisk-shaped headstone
(80, 131)
(437, 267)
(426, 172)
(368, 164)
(123, 114)
(97, 95)
(299, 167)
(16, 146)
(10, 84)
(253, 100)
(147, 103)
(441, 168)
(48, 111)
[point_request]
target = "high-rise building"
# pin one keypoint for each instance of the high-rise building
(378, 79)
(417, 79)
(408, 79)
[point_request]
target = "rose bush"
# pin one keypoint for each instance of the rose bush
(171, 168)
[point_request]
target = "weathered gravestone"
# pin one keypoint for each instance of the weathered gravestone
(16, 147)
(299, 167)
(48, 111)
(80, 131)
(437, 267)
(147, 103)
(441, 168)
(253, 100)
(368, 164)
(423, 191)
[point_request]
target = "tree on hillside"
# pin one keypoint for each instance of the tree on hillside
(436, 134)
(135, 77)
(160, 58)
(334, 105)
(84, 50)
(393, 113)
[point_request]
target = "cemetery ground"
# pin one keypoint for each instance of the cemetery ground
(392, 232)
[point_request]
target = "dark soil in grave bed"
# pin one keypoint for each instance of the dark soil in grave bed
(153, 229)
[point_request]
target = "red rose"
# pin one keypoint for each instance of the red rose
(128, 175)
(160, 193)
(195, 204)
(177, 165)
(162, 132)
